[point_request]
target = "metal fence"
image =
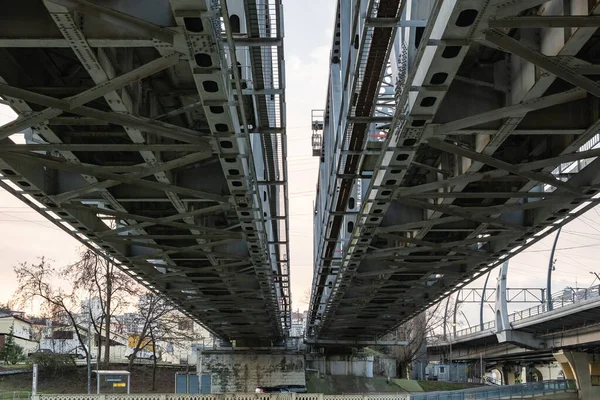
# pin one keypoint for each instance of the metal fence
(564, 298)
(502, 392)
(222, 396)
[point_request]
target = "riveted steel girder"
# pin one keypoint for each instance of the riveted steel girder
(471, 168)
(137, 144)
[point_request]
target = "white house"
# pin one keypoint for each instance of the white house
(63, 339)
(22, 332)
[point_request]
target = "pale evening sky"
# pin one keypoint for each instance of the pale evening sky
(25, 235)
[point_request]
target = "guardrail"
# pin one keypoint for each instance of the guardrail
(221, 396)
(559, 300)
(502, 392)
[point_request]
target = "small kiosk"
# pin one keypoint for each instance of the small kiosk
(112, 381)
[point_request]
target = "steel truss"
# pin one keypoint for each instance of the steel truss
(149, 143)
(513, 295)
(466, 172)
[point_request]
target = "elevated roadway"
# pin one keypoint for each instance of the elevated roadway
(571, 325)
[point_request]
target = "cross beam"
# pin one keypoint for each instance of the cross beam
(175, 217)
(78, 168)
(546, 63)
(156, 221)
(130, 177)
(546, 21)
(145, 124)
(511, 111)
(134, 147)
(494, 162)
(118, 18)
(91, 94)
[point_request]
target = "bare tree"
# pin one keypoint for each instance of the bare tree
(37, 282)
(5, 308)
(160, 322)
(96, 275)
(306, 297)
(415, 332)
(152, 308)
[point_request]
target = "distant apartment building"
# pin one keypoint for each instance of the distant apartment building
(298, 324)
(91, 307)
(129, 323)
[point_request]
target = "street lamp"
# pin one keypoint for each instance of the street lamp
(596, 275)
(450, 364)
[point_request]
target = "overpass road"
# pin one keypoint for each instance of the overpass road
(572, 325)
(156, 136)
(455, 135)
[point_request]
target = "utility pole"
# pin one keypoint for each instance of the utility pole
(481, 367)
(89, 349)
(450, 365)
(199, 366)
(35, 380)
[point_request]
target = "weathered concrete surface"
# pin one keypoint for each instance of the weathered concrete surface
(361, 364)
(243, 371)
(584, 369)
(384, 366)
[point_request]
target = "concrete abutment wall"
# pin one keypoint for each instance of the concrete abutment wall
(242, 371)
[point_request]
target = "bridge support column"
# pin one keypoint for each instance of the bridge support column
(243, 369)
(583, 368)
(504, 330)
(511, 374)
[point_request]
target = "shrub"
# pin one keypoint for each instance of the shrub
(12, 353)
(52, 363)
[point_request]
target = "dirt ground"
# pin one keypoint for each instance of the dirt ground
(76, 381)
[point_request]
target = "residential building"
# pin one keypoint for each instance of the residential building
(22, 331)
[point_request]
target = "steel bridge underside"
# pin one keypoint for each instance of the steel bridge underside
(144, 144)
(482, 155)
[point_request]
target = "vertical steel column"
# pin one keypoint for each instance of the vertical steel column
(550, 268)
(483, 301)
(446, 317)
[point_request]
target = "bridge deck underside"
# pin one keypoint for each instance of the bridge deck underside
(468, 173)
(136, 150)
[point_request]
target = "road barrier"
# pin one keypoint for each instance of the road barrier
(222, 396)
(526, 390)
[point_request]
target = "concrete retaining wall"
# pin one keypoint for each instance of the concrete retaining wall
(243, 371)
(352, 365)
(385, 367)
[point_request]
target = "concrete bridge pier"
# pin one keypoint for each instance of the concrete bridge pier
(584, 369)
(511, 374)
(238, 369)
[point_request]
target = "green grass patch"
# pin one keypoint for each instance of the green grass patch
(434, 386)
(349, 385)
(408, 385)
(5, 367)
(75, 381)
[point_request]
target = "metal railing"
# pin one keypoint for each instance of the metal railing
(576, 166)
(222, 396)
(502, 392)
(564, 298)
